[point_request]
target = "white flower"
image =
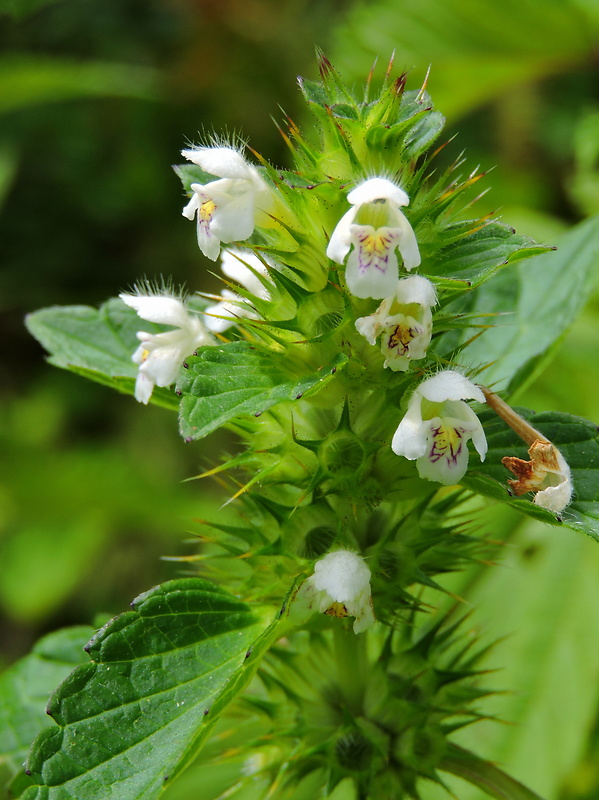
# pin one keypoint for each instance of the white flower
(555, 490)
(405, 322)
(340, 587)
(547, 473)
(226, 209)
(240, 266)
(159, 355)
(438, 425)
(376, 227)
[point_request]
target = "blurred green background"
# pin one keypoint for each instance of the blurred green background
(97, 97)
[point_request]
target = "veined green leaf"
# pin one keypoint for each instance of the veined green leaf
(578, 441)
(222, 383)
(543, 297)
(131, 719)
(542, 603)
(26, 686)
(475, 257)
(101, 340)
(96, 343)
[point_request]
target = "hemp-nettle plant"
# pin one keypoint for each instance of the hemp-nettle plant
(317, 650)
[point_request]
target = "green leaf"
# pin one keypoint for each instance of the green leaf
(578, 442)
(547, 293)
(26, 686)
(96, 343)
(89, 338)
(475, 56)
(542, 603)
(28, 82)
(131, 719)
(191, 173)
(493, 781)
(222, 383)
(476, 256)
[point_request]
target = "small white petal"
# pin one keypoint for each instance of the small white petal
(208, 243)
(408, 246)
(192, 207)
(161, 309)
(555, 498)
(409, 440)
(221, 316)
(406, 339)
(341, 239)
(368, 327)
(143, 388)
(235, 264)
(371, 269)
(225, 162)
(447, 458)
(416, 289)
(449, 385)
(234, 220)
(378, 189)
(343, 575)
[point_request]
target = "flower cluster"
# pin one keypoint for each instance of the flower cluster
(370, 251)
(438, 422)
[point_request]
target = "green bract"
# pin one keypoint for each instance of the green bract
(315, 409)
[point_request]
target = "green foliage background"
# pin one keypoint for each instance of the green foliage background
(96, 99)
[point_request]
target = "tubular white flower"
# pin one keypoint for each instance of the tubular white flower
(240, 266)
(404, 322)
(226, 209)
(340, 587)
(555, 491)
(159, 355)
(376, 227)
(438, 425)
(547, 474)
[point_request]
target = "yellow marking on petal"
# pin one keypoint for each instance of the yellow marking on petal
(401, 337)
(207, 210)
(144, 354)
(447, 443)
(374, 248)
(376, 243)
(337, 610)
